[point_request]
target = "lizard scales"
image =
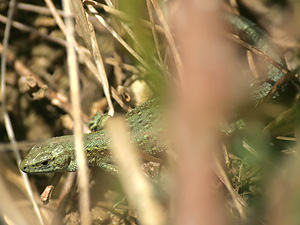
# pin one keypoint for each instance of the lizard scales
(57, 154)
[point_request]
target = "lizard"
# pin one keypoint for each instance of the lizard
(57, 154)
(251, 33)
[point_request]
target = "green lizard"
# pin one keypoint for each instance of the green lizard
(254, 35)
(57, 154)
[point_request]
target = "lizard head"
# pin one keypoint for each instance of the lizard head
(50, 156)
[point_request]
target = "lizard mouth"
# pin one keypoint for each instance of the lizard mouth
(25, 167)
(44, 166)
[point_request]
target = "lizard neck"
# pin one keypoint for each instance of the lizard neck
(96, 146)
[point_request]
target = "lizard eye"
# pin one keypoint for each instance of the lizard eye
(45, 163)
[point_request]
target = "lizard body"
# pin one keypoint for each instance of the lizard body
(57, 154)
(249, 32)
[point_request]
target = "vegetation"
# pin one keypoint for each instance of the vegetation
(202, 73)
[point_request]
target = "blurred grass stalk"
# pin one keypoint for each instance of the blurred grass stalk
(138, 188)
(81, 159)
(283, 200)
(202, 102)
(10, 132)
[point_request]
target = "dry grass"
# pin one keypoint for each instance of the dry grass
(134, 51)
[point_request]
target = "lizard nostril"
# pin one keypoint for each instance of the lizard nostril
(23, 168)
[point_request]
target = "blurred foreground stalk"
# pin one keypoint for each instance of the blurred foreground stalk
(202, 102)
